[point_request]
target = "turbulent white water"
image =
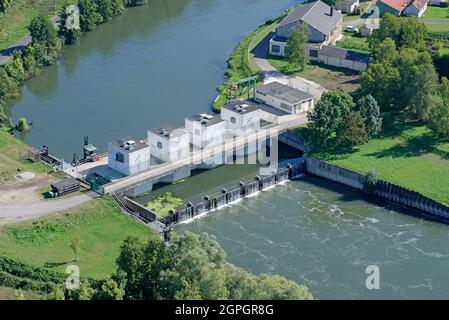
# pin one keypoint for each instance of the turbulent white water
(325, 238)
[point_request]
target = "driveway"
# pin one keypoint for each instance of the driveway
(271, 74)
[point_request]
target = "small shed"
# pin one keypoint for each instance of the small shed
(64, 186)
(343, 58)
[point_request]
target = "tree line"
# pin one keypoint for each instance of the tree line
(400, 82)
(47, 42)
(189, 267)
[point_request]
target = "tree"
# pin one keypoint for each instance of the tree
(134, 3)
(406, 32)
(85, 291)
(8, 86)
(22, 125)
(42, 31)
(58, 293)
(106, 9)
(381, 80)
(353, 131)
(3, 5)
(75, 244)
(297, 53)
(109, 290)
(386, 51)
(89, 16)
(193, 267)
(437, 116)
(418, 81)
(329, 115)
(15, 68)
(118, 7)
(370, 112)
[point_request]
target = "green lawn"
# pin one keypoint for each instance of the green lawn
(45, 242)
(436, 13)
(437, 27)
(354, 42)
(12, 158)
(407, 155)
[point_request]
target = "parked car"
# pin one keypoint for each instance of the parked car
(351, 29)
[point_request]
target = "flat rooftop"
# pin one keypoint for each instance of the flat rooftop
(206, 119)
(284, 92)
(168, 131)
(129, 145)
(241, 107)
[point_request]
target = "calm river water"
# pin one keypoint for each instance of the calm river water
(160, 63)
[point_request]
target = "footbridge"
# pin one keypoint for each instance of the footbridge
(203, 156)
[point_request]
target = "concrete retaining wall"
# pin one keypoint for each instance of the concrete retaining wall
(138, 208)
(383, 189)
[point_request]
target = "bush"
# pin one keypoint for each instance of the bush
(370, 182)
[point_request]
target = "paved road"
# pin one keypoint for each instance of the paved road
(10, 213)
(6, 54)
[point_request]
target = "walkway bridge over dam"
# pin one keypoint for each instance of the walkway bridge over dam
(143, 181)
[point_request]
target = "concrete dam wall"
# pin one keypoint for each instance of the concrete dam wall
(383, 189)
(286, 170)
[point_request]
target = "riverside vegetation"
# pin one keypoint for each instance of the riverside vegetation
(401, 89)
(123, 259)
(47, 42)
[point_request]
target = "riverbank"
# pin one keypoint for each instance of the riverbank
(24, 58)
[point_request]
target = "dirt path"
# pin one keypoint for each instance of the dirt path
(23, 200)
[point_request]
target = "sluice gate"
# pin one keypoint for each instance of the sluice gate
(286, 170)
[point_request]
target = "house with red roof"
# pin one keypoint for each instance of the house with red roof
(403, 7)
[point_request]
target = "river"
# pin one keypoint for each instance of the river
(153, 65)
(159, 63)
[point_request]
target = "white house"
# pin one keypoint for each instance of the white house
(128, 156)
(285, 98)
(168, 143)
(205, 130)
(416, 8)
(324, 24)
(348, 6)
(242, 117)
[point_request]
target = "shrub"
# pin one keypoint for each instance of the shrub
(370, 182)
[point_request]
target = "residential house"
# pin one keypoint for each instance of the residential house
(348, 6)
(402, 7)
(128, 156)
(205, 130)
(285, 98)
(169, 143)
(324, 24)
(242, 117)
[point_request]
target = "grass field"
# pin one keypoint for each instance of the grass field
(354, 42)
(437, 27)
(45, 242)
(11, 158)
(406, 154)
(436, 13)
